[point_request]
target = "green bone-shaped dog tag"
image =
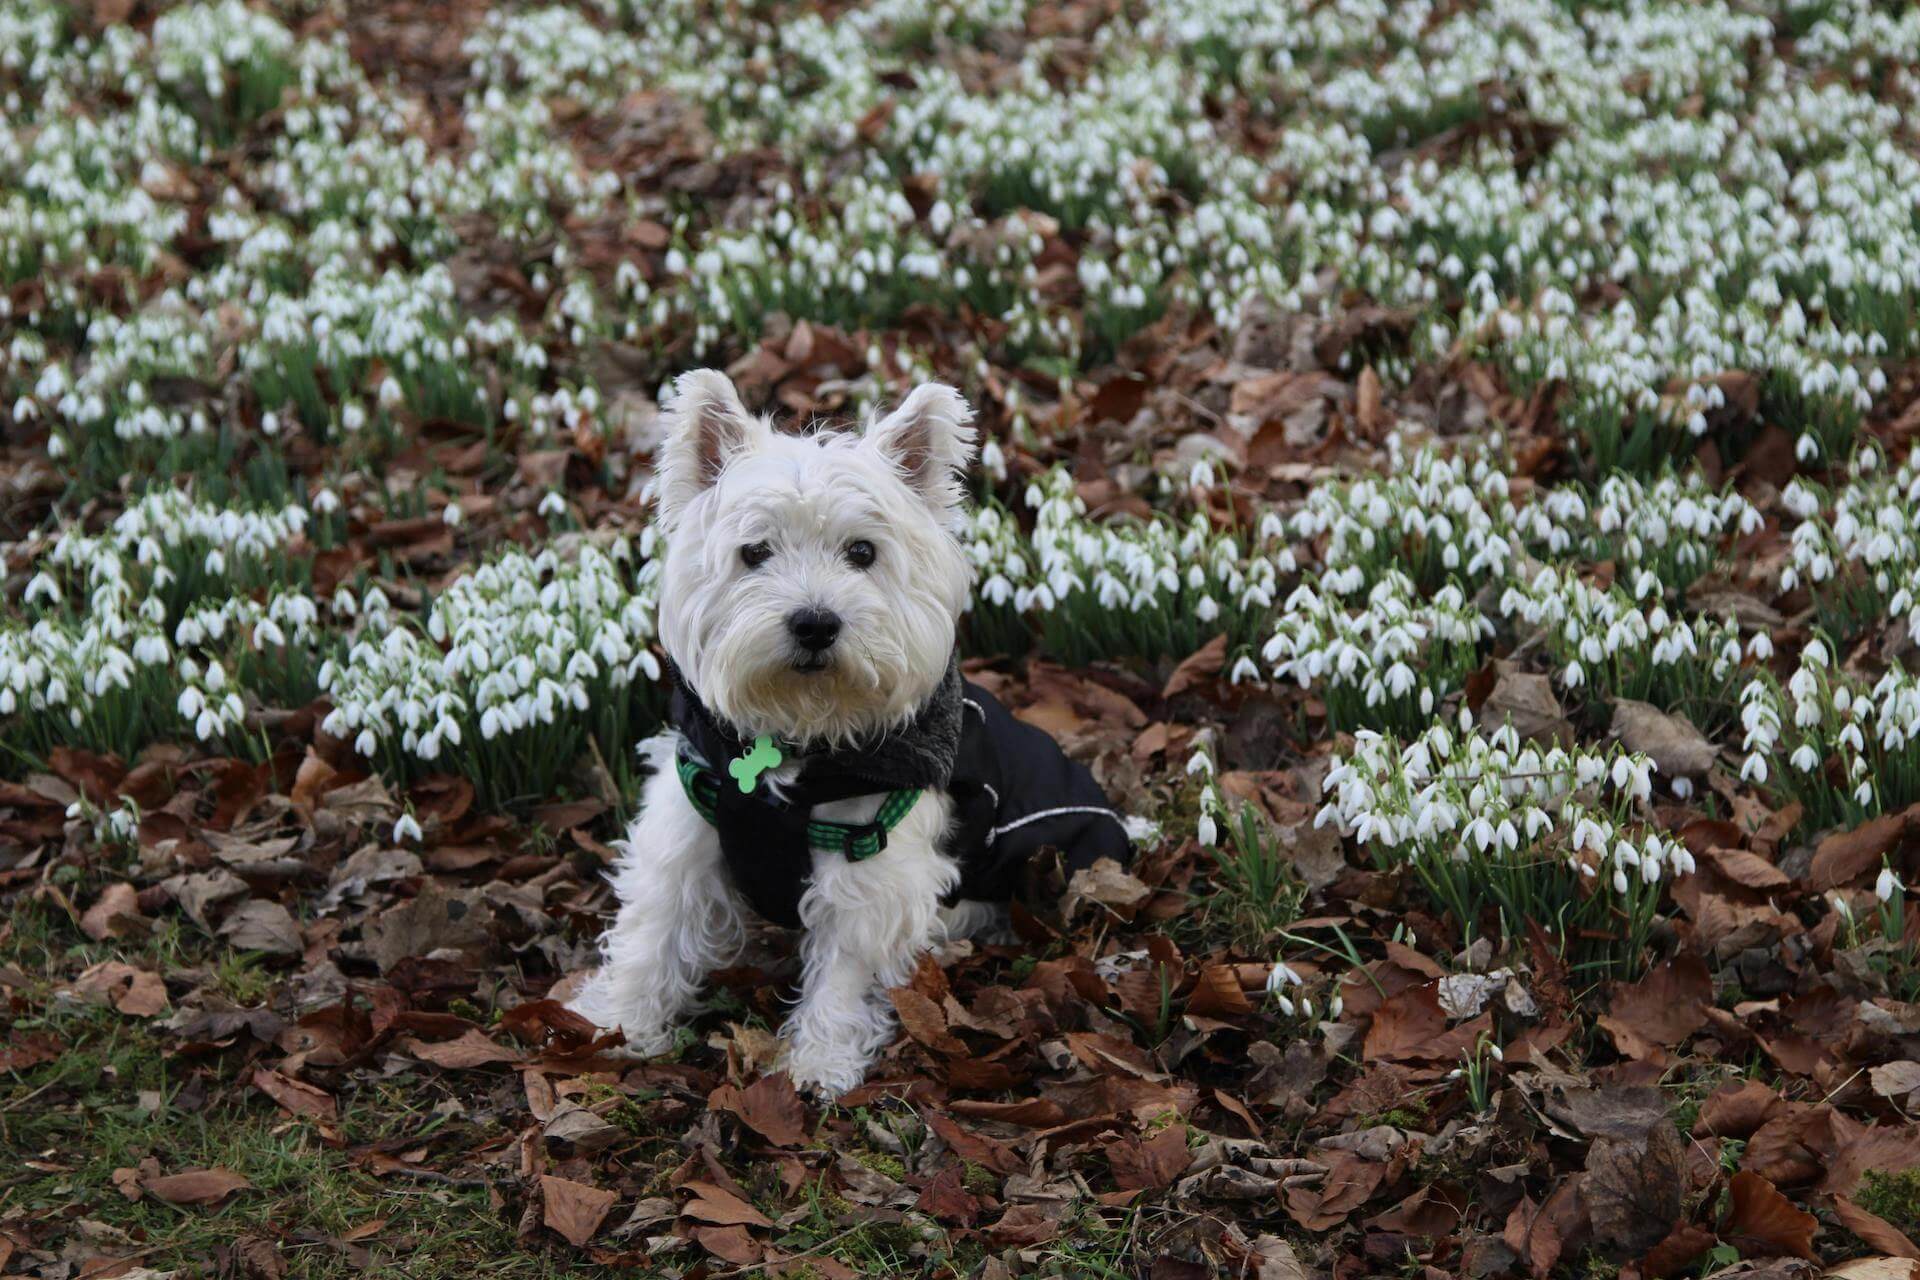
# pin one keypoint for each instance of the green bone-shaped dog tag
(746, 770)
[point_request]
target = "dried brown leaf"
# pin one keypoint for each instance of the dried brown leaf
(1660, 1010)
(1763, 1223)
(1874, 1231)
(196, 1186)
(719, 1206)
(1148, 1165)
(770, 1106)
(296, 1096)
(1848, 856)
(116, 912)
(1634, 1190)
(1676, 748)
(573, 1209)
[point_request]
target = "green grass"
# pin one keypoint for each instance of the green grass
(83, 1116)
(1893, 1196)
(1256, 894)
(119, 1094)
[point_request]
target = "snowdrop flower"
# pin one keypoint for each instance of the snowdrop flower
(1281, 976)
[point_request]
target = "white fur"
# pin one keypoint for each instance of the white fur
(728, 480)
(679, 918)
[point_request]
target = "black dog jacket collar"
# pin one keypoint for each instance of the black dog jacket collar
(1013, 792)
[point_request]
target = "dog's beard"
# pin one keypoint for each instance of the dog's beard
(755, 679)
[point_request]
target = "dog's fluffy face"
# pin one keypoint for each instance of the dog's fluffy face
(812, 583)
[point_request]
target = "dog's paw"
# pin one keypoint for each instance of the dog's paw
(825, 1073)
(647, 1037)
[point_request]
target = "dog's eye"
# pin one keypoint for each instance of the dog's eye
(755, 554)
(860, 554)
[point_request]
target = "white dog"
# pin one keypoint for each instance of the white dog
(827, 767)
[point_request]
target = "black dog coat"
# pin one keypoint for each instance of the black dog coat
(1013, 791)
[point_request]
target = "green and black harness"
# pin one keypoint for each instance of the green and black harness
(1010, 791)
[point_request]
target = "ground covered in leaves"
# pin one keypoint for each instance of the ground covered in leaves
(1449, 466)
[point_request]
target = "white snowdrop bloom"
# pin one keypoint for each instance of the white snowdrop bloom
(529, 639)
(1886, 885)
(407, 827)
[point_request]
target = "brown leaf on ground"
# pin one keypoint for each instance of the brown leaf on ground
(116, 912)
(1793, 1146)
(719, 1206)
(1861, 1149)
(571, 1129)
(730, 1244)
(946, 1199)
(1423, 1215)
(1747, 869)
(296, 1096)
(1412, 1027)
(435, 919)
(1896, 1080)
(264, 926)
(922, 1019)
(260, 1258)
(574, 1210)
(1110, 885)
(969, 1145)
(1349, 1183)
(1528, 700)
(1533, 1235)
(22, 1051)
(1676, 748)
(1634, 1190)
(1110, 1055)
(1201, 665)
(472, 1048)
(95, 776)
(1025, 1225)
(127, 1181)
(1849, 856)
(196, 1186)
(1876, 1269)
(137, 993)
(1621, 1112)
(1762, 1223)
(1874, 1231)
(1660, 1010)
(547, 1022)
(1737, 1110)
(1405, 1024)
(1152, 1163)
(770, 1106)
(1683, 1245)
(1218, 994)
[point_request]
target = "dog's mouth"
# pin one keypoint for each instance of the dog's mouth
(808, 664)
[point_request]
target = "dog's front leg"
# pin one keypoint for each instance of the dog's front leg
(866, 924)
(679, 917)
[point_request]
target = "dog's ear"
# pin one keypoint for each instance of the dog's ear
(707, 427)
(930, 438)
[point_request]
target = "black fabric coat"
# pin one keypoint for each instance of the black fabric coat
(1014, 792)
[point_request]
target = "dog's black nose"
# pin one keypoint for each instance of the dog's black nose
(814, 630)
